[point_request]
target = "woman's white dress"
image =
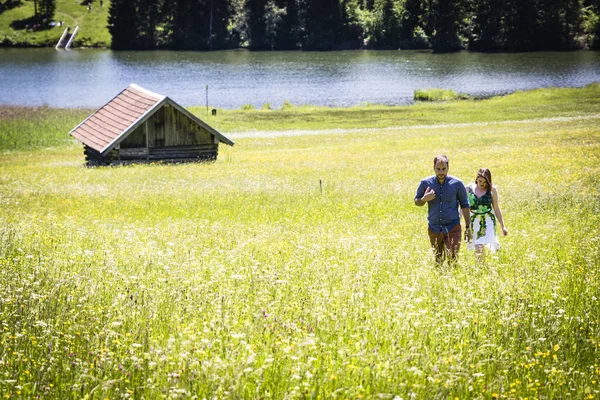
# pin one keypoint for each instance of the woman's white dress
(483, 221)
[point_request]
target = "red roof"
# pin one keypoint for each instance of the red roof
(116, 117)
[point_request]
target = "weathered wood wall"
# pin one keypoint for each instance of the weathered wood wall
(92, 157)
(163, 154)
(168, 127)
(168, 135)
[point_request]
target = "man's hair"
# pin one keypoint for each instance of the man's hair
(442, 158)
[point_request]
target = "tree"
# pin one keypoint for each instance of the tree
(351, 34)
(147, 20)
(573, 23)
(428, 9)
(122, 24)
(44, 9)
(221, 34)
(368, 4)
(445, 25)
(410, 19)
(133, 23)
(595, 24)
(287, 37)
(257, 32)
(387, 24)
(487, 28)
(273, 23)
(447, 15)
(199, 24)
(323, 24)
(550, 24)
(180, 24)
(48, 8)
(266, 21)
(520, 22)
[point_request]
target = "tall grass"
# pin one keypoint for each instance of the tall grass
(438, 94)
(37, 127)
(245, 278)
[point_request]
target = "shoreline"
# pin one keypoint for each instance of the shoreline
(310, 107)
(39, 127)
(101, 46)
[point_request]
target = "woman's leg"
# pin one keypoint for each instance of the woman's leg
(480, 252)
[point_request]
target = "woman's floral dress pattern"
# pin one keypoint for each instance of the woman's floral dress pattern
(481, 217)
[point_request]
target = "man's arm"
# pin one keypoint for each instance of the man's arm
(420, 202)
(465, 208)
(466, 212)
(424, 194)
(419, 194)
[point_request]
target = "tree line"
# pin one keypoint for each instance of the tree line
(441, 25)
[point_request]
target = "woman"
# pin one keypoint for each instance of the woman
(485, 213)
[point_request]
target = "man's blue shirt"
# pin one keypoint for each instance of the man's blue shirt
(449, 196)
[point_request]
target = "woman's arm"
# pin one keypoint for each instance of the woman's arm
(497, 211)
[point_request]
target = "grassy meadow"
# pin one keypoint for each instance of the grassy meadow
(297, 266)
(93, 24)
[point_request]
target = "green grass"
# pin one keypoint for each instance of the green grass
(93, 31)
(522, 105)
(243, 278)
(437, 94)
(26, 128)
(39, 127)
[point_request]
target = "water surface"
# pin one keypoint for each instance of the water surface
(90, 78)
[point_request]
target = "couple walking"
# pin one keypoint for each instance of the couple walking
(478, 203)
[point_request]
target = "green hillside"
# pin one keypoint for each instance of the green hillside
(16, 23)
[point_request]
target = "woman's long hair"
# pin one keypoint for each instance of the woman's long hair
(487, 175)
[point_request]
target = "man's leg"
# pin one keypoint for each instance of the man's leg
(437, 243)
(453, 240)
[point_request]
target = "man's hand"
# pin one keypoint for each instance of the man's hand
(429, 195)
(468, 234)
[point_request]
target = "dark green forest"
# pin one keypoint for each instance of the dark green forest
(441, 25)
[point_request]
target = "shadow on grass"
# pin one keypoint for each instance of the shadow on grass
(36, 23)
(9, 5)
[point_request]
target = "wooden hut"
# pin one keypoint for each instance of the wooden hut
(141, 126)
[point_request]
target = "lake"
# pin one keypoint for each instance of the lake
(91, 77)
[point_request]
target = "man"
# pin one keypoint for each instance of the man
(443, 194)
